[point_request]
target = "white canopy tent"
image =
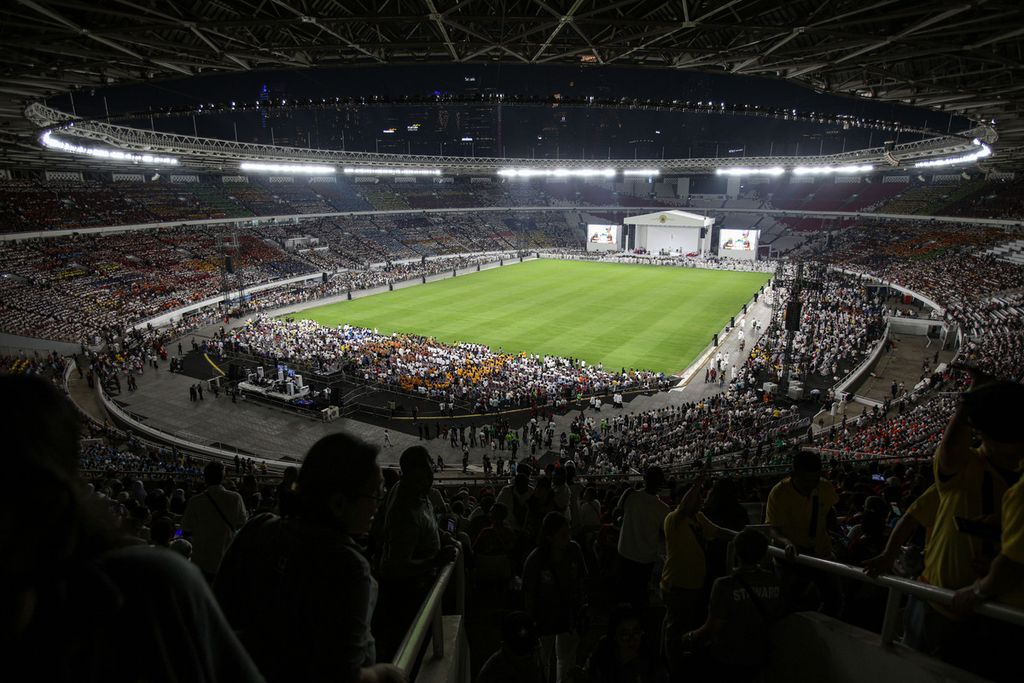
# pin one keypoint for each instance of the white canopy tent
(677, 232)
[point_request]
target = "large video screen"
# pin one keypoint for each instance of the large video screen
(602, 234)
(737, 240)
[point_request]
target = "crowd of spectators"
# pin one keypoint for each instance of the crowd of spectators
(70, 288)
(472, 374)
(742, 424)
(840, 324)
(595, 538)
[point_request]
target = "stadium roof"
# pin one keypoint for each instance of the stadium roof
(959, 57)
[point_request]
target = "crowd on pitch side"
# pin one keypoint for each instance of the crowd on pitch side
(470, 373)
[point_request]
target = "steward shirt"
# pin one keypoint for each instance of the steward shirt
(793, 513)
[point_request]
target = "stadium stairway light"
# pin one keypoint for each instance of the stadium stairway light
(302, 169)
(392, 171)
(985, 151)
(739, 170)
(47, 140)
(641, 171)
(840, 170)
(557, 172)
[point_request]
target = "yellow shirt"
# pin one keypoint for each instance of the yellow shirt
(1013, 537)
(924, 510)
(791, 512)
(685, 537)
(954, 559)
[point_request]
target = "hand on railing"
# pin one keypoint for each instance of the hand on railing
(878, 565)
(966, 600)
(382, 673)
(449, 553)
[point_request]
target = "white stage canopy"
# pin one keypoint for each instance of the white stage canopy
(677, 232)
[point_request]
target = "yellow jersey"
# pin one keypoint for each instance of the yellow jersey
(685, 539)
(1012, 518)
(793, 513)
(955, 559)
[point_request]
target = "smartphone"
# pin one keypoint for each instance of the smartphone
(451, 525)
(989, 532)
(895, 509)
(178, 533)
(877, 477)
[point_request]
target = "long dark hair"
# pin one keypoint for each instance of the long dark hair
(49, 528)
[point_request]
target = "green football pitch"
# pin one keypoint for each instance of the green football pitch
(633, 316)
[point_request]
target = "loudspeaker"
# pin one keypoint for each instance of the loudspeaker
(229, 264)
(703, 233)
(325, 278)
(793, 312)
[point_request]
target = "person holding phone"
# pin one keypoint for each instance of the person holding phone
(971, 483)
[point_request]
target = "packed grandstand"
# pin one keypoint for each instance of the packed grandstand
(225, 465)
(99, 289)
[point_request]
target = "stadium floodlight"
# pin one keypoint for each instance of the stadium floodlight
(557, 172)
(740, 170)
(392, 171)
(641, 171)
(50, 142)
(825, 170)
(985, 151)
(300, 169)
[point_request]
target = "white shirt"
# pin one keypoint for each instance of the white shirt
(211, 532)
(642, 520)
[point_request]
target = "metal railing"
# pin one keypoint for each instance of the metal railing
(897, 587)
(428, 624)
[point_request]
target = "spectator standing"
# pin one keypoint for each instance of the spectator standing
(411, 548)
(972, 484)
(643, 515)
(87, 603)
(298, 589)
(798, 510)
(687, 533)
(211, 520)
(552, 578)
(742, 610)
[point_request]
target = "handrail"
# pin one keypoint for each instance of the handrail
(897, 586)
(428, 622)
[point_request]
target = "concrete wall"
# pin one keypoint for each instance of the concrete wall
(813, 647)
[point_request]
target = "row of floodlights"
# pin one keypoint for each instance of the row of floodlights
(798, 170)
(321, 169)
(304, 169)
(51, 142)
(983, 151)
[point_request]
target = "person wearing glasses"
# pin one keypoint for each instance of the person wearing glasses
(298, 589)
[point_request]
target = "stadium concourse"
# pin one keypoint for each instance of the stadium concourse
(520, 471)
